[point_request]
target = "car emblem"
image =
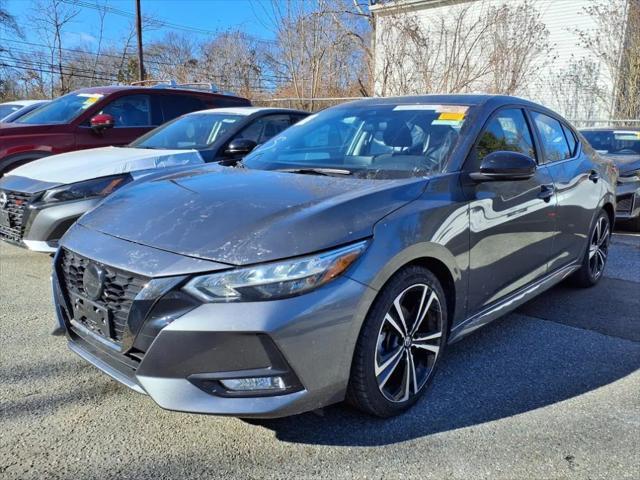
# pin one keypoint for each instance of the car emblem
(3, 199)
(93, 281)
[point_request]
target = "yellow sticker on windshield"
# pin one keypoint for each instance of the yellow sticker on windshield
(456, 116)
(90, 99)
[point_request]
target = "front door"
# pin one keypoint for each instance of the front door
(512, 223)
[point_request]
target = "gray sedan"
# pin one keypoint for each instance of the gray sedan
(338, 260)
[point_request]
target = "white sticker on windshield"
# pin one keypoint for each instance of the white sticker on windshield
(436, 108)
(305, 120)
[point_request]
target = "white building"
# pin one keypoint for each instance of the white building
(429, 46)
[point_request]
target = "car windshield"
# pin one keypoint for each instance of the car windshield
(614, 142)
(8, 109)
(193, 131)
(377, 141)
(61, 110)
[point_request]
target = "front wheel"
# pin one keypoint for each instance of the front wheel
(401, 342)
(595, 258)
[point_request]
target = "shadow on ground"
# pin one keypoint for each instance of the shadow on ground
(513, 366)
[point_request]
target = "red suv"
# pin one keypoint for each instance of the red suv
(100, 116)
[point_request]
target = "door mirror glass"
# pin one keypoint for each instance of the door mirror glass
(503, 166)
(102, 122)
(240, 146)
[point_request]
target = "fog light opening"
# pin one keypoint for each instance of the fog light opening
(251, 384)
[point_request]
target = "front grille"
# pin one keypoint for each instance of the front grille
(16, 206)
(624, 204)
(120, 288)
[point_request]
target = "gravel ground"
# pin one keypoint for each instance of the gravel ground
(551, 391)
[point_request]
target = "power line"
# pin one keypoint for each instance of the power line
(157, 21)
(271, 77)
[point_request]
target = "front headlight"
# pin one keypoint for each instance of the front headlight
(97, 187)
(275, 280)
(630, 176)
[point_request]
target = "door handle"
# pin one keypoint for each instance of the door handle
(546, 192)
(594, 176)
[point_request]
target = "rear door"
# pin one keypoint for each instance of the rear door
(576, 180)
(133, 116)
(511, 222)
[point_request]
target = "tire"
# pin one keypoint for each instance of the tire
(595, 256)
(385, 349)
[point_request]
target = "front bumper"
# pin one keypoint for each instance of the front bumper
(628, 198)
(309, 339)
(40, 227)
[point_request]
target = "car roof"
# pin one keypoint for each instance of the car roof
(453, 99)
(24, 103)
(107, 90)
(246, 111)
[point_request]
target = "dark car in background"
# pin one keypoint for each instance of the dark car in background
(100, 116)
(45, 197)
(622, 146)
(338, 259)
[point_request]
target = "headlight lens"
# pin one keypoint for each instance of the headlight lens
(275, 280)
(98, 187)
(631, 176)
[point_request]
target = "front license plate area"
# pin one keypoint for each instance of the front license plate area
(92, 316)
(5, 219)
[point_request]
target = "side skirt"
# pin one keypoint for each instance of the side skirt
(510, 303)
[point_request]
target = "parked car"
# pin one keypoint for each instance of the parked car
(11, 111)
(339, 259)
(99, 116)
(45, 197)
(622, 145)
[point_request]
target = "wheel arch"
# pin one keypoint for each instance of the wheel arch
(13, 161)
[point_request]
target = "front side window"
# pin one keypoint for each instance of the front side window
(265, 128)
(130, 111)
(374, 141)
(553, 138)
(193, 131)
(507, 131)
(61, 110)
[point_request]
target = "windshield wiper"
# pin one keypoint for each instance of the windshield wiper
(316, 171)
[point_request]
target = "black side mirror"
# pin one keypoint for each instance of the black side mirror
(502, 165)
(240, 146)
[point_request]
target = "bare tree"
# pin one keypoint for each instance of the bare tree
(50, 18)
(516, 41)
(469, 46)
(615, 42)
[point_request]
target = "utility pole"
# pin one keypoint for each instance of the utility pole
(139, 31)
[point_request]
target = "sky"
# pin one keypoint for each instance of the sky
(205, 15)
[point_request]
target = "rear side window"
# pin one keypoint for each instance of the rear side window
(175, 105)
(571, 140)
(553, 138)
(507, 131)
(266, 127)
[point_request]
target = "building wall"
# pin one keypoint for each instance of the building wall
(559, 79)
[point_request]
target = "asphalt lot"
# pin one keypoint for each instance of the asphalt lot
(551, 391)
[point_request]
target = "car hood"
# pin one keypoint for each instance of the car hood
(82, 165)
(625, 163)
(241, 216)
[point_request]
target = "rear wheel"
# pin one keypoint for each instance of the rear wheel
(401, 342)
(595, 258)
